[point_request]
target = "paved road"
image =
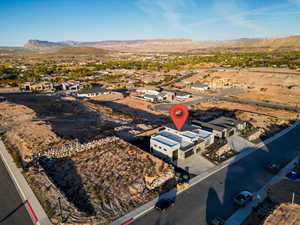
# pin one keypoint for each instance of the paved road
(165, 107)
(274, 72)
(260, 103)
(213, 196)
(12, 211)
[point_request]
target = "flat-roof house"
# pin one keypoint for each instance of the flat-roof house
(207, 136)
(151, 98)
(166, 95)
(216, 130)
(181, 94)
(37, 86)
(174, 144)
(92, 92)
(200, 87)
(149, 90)
(221, 127)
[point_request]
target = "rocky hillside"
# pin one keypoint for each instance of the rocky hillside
(43, 45)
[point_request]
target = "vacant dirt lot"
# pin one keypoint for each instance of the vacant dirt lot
(265, 84)
(271, 96)
(25, 132)
(36, 122)
(285, 214)
(101, 183)
(265, 119)
(96, 185)
(129, 108)
(277, 208)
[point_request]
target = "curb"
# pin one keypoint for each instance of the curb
(33, 206)
(32, 213)
(131, 216)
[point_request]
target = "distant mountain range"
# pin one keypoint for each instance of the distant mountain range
(169, 45)
(290, 43)
(151, 45)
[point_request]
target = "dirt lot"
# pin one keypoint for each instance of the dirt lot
(138, 104)
(36, 122)
(101, 183)
(129, 116)
(130, 108)
(25, 132)
(271, 96)
(108, 97)
(267, 120)
(265, 84)
(285, 214)
(98, 184)
(277, 209)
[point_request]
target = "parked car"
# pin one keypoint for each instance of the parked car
(217, 221)
(273, 167)
(164, 204)
(242, 198)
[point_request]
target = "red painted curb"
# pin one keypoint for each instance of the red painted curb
(32, 213)
(127, 221)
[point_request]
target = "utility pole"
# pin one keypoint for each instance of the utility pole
(59, 203)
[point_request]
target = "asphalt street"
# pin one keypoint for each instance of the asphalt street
(165, 107)
(12, 209)
(213, 196)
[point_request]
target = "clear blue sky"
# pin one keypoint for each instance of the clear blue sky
(92, 20)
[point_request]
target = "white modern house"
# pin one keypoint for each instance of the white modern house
(151, 98)
(182, 95)
(148, 91)
(174, 144)
(92, 94)
(199, 87)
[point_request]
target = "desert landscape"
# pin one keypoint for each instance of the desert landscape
(78, 117)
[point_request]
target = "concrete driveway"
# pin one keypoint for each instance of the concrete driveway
(195, 164)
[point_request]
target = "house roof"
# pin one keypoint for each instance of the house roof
(203, 133)
(208, 125)
(165, 141)
(150, 96)
(225, 121)
(92, 90)
(199, 85)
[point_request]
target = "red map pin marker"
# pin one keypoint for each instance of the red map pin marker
(179, 113)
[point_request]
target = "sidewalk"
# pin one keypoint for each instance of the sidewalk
(33, 205)
(242, 213)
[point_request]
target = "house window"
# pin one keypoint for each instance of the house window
(189, 153)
